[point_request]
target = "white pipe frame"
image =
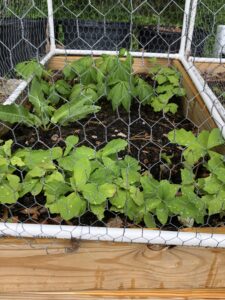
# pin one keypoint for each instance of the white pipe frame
(191, 27)
(128, 234)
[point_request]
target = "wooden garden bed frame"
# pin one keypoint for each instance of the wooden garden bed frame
(71, 269)
(68, 269)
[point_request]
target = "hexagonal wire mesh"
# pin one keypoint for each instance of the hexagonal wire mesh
(104, 144)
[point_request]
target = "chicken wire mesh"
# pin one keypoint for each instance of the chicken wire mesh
(101, 147)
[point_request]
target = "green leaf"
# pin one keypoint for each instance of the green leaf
(36, 172)
(37, 99)
(7, 194)
(69, 207)
(28, 68)
(7, 147)
(98, 194)
(181, 137)
(14, 113)
(215, 138)
(82, 171)
(98, 210)
(130, 176)
(113, 147)
(121, 93)
(162, 214)
(28, 186)
(160, 78)
(71, 112)
(14, 182)
(70, 141)
(187, 176)
(119, 199)
(144, 91)
(62, 87)
(149, 220)
(17, 161)
(137, 196)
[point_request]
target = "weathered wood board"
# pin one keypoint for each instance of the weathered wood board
(65, 269)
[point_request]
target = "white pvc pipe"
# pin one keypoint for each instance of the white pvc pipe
(219, 47)
(51, 26)
(185, 27)
(21, 87)
(191, 27)
(136, 235)
(100, 52)
(213, 104)
(207, 59)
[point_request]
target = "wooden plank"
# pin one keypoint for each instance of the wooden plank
(210, 68)
(31, 265)
(157, 294)
(194, 107)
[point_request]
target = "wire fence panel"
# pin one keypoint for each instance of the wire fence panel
(104, 146)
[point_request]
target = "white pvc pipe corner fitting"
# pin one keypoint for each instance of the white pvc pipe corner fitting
(127, 235)
(219, 47)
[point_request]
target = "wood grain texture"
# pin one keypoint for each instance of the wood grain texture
(157, 294)
(210, 68)
(47, 266)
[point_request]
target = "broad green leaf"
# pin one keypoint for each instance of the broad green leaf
(7, 147)
(28, 186)
(149, 220)
(14, 181)
(130, 176)
(119, 199)
(215, 138)
(144, 91)
(121, 93)
(37, 189)
(187, 176)
(17, 161)
(28, 68)
(98, 210)
(182, 137)
(36, 172)
(70, 141)
(111, 165)
(113, 147)
(7, 194)
(71, 112)
(15, 113)
(160, 78)
(81, 172)
(212, 184)
(102, 175)
(98, 194)
(162, 214)
(84, 151)
(69, 207)
(137, 195)
(62, 87)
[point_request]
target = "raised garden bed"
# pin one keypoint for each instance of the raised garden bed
(45, 196)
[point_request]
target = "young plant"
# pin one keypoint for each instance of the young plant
(45, 97)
